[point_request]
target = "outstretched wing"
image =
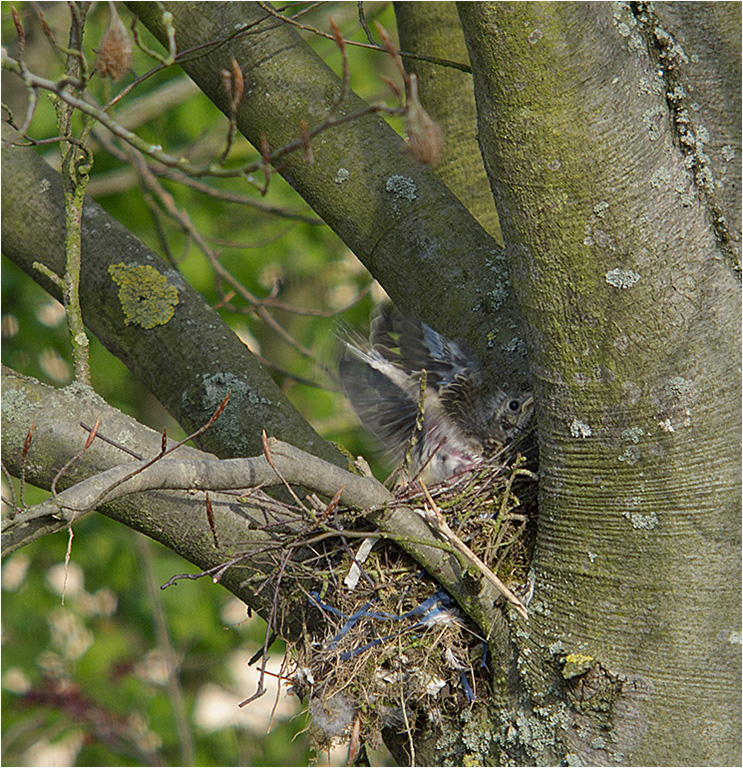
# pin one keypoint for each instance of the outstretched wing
(460, 420)
(414, 346)
(382, 394)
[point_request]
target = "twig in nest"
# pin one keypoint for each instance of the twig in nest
(446, 532)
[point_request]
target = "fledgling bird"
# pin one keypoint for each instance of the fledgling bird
(451, 419)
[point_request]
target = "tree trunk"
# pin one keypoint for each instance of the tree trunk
(630, 288)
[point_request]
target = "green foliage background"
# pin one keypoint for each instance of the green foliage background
(109, 705)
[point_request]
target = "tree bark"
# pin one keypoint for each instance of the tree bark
(395, 214)
(448, 95)
(623, 251)
(632, 297)
(709, 93)
(179, 347)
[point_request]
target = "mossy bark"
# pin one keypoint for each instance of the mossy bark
(395, 214)
(143, 311)
(434, 29)
(633, 308)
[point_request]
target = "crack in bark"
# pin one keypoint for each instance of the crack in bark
(691, 136)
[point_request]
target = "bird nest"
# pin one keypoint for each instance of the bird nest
(395, 647)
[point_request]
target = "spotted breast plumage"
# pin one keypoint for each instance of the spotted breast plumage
(446, 422)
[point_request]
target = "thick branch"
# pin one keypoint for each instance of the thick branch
(287, 462)
(166, 334)
(397, 216)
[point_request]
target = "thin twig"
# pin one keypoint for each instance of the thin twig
(270, 624)
(69, 51)
(442, 527)
(71, 463)
(175, 690)
(346, 70)
(182, 163)
(24, 457)
(234, 87)
(236, 197)
(362, 21)
(67, 557)
(406, 721)
(165, 61)
(370, 46)
(164, 451)
(269, 458)
(108, 440)
(77, 162)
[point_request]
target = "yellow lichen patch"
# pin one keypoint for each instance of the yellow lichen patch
(576, 664)
(145, 296)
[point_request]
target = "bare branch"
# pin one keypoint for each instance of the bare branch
(295, 466)
(370, 46)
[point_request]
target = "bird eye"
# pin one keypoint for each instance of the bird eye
(514, 406)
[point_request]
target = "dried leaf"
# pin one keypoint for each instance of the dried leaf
(115, 50)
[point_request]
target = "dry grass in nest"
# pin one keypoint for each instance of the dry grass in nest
(395, 646)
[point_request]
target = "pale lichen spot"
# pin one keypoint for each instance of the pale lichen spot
(661, 178)
(144, 293)
(515, 346)
(640, 521)
(342, 175)
(217, 385)
(728, 153)
(678, 387)
(630, 456)
(632, 435)
(622, 278)
(601, 208)
(653, 120)
(402, 188)
(580, 429)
